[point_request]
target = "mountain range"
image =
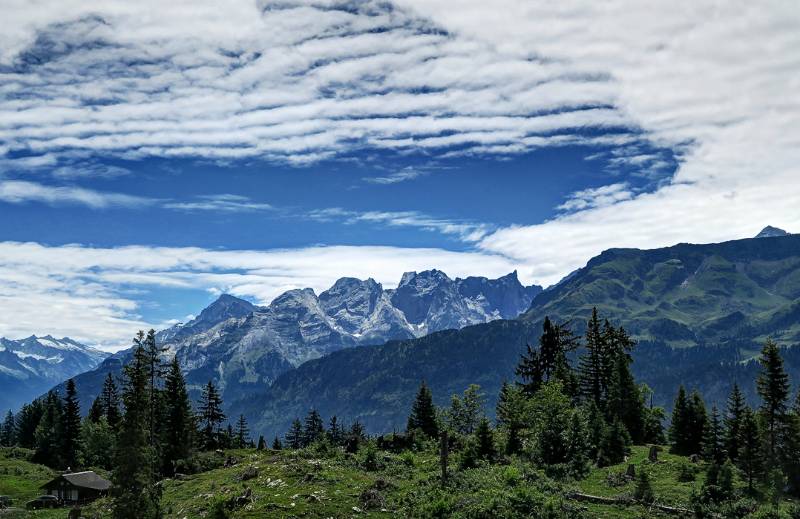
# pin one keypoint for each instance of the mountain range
(698, 311)
(32, 365)
(243, 348)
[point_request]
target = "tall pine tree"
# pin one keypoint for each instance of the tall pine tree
(733, 421)
(423, 413)
(109, 398)
(773, 388)
(242, 433)
(593, 363)
(211, 416)
(70, 426)
(135, 493)
(179, 422)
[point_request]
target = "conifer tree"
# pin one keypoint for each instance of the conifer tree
(8, 431)
(335, 431)
(614, 445)
(624, 400)
(773, 388)
(355, 437)
(242, 432)
(27, 422)
(423, 413)
(596, 429)
(679, 431)
(749, 455)
(110, 401)
(733, 420)
(697, 422)
(96, 411)
(577, 445)
(529, 369)
(211, 416)
(465, 413)
(485, 440)
(510, 413)
(179, 422)
(593, 363)
(294, 437)
(135, 493)
(70, 433)
(276, 444)
(47, 435)
(313, 429)
(643, 491)
(714, 440)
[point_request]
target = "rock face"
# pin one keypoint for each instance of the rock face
(29, 366)
(771, 232)
(243, 347)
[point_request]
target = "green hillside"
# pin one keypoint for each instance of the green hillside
(688, 294)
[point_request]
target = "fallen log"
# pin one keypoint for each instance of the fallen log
(600, 500)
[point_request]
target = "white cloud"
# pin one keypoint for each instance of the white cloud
(296, 81)
(466, 231)
(225, 203)
(404, 175)
(86, 293)
(20, 191)
(714, 81)
(597, 197)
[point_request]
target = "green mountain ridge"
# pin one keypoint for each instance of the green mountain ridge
(715, 301)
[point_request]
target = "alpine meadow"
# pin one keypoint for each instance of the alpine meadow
(424, 259)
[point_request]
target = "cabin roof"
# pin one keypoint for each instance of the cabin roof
(86, 479)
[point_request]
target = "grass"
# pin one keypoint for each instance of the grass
(21, 479)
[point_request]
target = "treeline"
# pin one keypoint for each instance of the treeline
(143, 432)
(562, 417)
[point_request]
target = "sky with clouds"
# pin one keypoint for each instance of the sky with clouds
(155, 155)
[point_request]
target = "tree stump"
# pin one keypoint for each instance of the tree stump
(653, 454)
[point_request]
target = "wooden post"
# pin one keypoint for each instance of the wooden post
(444, 451)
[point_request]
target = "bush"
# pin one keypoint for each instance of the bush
(687, 472)
(643, 492)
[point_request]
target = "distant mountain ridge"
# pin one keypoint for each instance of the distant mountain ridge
(31, 365)
(244, 348)
(726, 297)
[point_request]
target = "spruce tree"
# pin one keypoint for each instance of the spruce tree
(679, 431)
(592, 364)
(313, 429)
(733, 420)
(96, 411)
(211, 416)
(511, 415)
(135, 494)
(47, 435)
(596, 429)
(485, 440)
(714, 440)
(27, 422)
(242, 432)
(8, 431)
(529, 369)
(697, 422)
(70, 426)
(355, 437)
(294, 437)
(749, 456)
(643, 491)
(773, 388)
(110, 401)
(624, 400)
(577, 445)
(179, 421)
(276, 444)
(423, 413)
(614, 445)
(335, 433)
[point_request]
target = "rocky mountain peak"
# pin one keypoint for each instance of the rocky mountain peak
(771, 232)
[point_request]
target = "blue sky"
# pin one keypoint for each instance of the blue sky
(153, 157)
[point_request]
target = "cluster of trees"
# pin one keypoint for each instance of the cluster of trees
(763, 443)
(312, 430)
(146, 431)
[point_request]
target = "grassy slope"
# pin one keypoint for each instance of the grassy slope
(20, 480)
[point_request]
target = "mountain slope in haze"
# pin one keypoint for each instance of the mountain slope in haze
(716, 302)
(244, 348)
(32, 365)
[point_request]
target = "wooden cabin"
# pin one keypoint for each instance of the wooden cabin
(77, 487)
